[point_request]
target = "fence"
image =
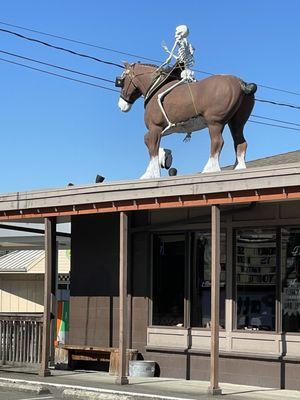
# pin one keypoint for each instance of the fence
(20, 339)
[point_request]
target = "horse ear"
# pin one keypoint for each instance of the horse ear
(126, 64)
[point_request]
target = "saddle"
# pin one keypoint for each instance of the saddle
(161, 77)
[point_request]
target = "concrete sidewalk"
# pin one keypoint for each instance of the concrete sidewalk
(100, 383)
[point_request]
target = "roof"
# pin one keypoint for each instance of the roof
(263, 183)
(32, 261)
(19, 260)
(278, 159)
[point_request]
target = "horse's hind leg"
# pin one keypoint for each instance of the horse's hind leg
(216, 139)
(152, 141)
(236, 125)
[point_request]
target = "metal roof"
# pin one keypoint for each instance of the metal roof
(19, 260)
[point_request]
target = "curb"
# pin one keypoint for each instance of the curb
(90, 395)
(78, 392)
(24, 387)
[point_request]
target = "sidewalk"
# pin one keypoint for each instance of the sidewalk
(138, 388)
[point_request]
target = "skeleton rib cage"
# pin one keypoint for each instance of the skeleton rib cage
(185, 53)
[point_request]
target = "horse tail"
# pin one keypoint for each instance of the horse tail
(248, 88)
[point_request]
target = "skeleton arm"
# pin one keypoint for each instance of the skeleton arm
(170, 52)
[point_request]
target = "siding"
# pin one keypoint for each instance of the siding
(21, 294)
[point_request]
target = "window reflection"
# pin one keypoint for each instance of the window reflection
(201, 280)
(256, 279)
(168, 280)
(290, 239)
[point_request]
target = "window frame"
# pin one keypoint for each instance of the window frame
(190, 258)
(277, 230)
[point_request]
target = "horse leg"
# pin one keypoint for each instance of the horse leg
(236, 125)
(152, 141)
(216, 140)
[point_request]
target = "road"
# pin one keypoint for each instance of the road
(13, 395)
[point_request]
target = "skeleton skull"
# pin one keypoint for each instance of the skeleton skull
(182, 31)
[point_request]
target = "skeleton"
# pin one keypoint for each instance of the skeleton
(184, 57)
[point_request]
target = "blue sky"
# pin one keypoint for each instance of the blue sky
(54, 131)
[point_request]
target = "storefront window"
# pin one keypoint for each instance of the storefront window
(168, 280)
(201, 281)
(290, 261)
(256, 279)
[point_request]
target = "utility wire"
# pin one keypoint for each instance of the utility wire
(59, 75)
(61, 48)
(117, 91)
(56, 66)
(275, 125)
(127, 54)
(278, 103)
(275, 120)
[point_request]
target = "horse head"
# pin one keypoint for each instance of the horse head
(130, 91)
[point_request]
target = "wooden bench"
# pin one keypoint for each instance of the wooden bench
(95, 353)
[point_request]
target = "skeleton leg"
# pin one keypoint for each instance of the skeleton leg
(160, 98)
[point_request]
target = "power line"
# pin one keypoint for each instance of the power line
(275, 120)
(57, 66)
(274, 125)
(59, 75)
(61, 48)
(117, 91)
(127, 54)
(278, 103)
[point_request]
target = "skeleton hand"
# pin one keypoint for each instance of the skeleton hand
(164, 46)
(192, 49)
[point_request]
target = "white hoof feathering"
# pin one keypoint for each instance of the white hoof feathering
(240, 162)
(153, 169)
(161, 157)
(123, 105)
(212, 164)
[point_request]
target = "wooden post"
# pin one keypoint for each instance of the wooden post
(215, 301)
(122, 378)
(54, 286)
(50, 241)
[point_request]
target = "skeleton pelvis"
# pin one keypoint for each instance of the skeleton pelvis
(191, 125)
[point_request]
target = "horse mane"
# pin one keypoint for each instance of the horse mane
(147, 64)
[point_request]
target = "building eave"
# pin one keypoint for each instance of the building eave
(270, 183)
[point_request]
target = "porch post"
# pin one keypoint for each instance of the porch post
(50, 263)
(122, 378)
(215, 303)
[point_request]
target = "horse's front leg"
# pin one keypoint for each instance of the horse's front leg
(152, 141)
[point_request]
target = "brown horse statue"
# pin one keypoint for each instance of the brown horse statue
(211, 102)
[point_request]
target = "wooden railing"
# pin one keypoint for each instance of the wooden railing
(20, 338)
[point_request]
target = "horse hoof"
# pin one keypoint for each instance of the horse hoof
(172, 172)
(168, 158)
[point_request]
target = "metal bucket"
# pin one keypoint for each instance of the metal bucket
(141, 368)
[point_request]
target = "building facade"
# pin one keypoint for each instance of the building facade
(145, 256)
(169, 290)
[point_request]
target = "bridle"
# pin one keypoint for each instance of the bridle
(120, 81)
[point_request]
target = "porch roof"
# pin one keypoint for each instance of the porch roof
(268, 183)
